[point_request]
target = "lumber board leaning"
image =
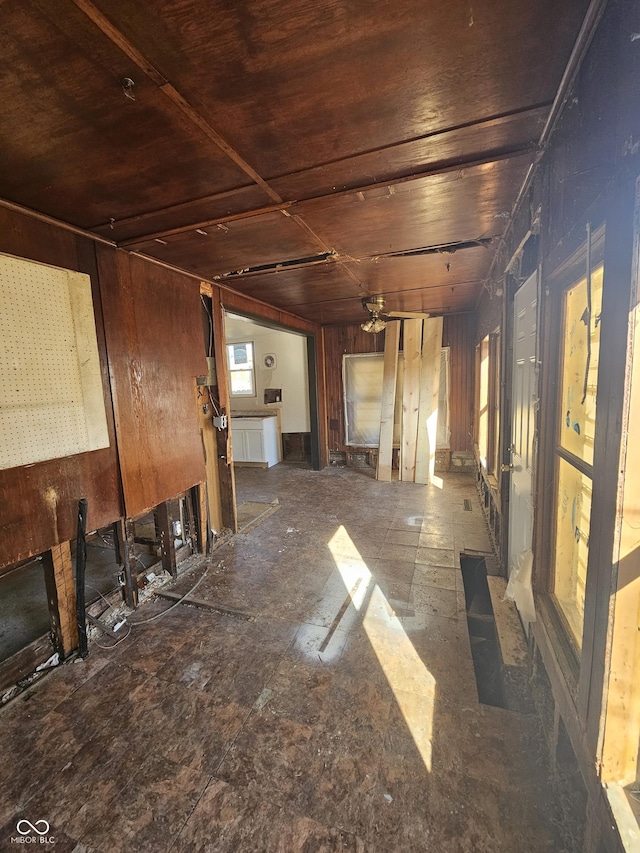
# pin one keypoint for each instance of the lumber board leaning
(410, 398)
(389, 380)
(429, 391)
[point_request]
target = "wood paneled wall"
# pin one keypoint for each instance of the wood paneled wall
(39, 503)
(153, 328)
(458, 334)
(338, 341)
(148, 322)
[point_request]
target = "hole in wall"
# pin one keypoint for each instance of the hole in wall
(102, 569)
(482, 632)
(24, 612)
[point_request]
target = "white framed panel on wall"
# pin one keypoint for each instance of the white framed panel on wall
(362, 397)
(51, 399)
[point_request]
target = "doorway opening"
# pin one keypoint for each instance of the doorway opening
(24, 611)
(273, 411)
(269, 393)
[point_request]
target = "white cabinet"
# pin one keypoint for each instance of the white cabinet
(255, 439)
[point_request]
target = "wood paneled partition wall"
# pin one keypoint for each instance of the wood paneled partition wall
(38, 503)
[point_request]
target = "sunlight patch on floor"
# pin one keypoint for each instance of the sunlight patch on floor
(412, 684)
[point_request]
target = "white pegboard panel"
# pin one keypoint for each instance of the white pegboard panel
(51, 402)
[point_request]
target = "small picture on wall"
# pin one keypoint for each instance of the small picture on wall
(269, 361)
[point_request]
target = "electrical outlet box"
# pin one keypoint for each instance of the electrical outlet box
(220, 422)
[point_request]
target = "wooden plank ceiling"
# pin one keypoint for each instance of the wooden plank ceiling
(304, 153)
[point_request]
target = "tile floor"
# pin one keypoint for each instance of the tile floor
(337, 712)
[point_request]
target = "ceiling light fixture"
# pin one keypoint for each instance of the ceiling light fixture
(374, 325)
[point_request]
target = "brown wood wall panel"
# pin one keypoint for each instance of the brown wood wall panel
(338, 341)
(234, 301)
(458, 333)
(39, 503)
(153, 328)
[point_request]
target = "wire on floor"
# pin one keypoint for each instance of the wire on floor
(179, 601)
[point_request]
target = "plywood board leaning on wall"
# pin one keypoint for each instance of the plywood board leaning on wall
(152, 318)
(389, 379)
(226, 475)
(410, 398)
(622, 721)
(428, 409)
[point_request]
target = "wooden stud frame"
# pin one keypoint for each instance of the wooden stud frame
(58, 573)
(165, 525)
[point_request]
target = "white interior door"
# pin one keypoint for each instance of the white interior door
(524, 396)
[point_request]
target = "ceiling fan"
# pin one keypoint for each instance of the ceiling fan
(378, 316)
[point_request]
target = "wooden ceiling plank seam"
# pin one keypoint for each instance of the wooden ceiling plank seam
(332, 259)
(428, 172)
(173, 208)
(458, 165)
(390, 293)
(207, 223)
(485, 123)
(167, 88)
(171, 92)
(339, 259)
(114, 34)
(177, 208)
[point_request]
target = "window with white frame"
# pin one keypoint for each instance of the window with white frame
(242, 376)
(362, 385)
